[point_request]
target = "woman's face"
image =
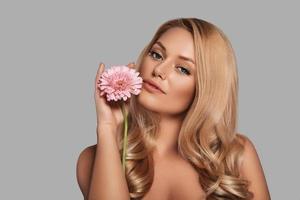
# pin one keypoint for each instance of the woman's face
(174, 75)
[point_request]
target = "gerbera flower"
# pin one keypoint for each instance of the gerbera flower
(118, 83)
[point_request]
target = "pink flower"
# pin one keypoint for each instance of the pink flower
(119, 82)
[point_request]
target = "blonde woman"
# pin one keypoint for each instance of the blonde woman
(182, 137)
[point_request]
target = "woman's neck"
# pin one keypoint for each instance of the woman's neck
(167, 140)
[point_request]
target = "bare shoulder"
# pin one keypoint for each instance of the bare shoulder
(250, 157)
(84, 168)
(252, 170)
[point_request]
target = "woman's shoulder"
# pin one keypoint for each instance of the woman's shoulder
(84, 167)
(87, 155)
(89, 149)
(248, 147)
(252, 170)
(242, 138)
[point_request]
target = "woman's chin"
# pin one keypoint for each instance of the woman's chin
(149, 102)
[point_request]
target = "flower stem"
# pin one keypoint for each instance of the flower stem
(125, 135)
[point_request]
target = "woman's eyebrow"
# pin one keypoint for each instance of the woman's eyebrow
(180, 56)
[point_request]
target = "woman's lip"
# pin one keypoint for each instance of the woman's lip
(154, 85)
(151, 88)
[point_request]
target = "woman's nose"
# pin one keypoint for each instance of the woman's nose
(161, 70)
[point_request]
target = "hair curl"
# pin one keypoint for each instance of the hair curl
(208, 137)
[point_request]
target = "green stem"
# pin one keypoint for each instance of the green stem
(125, 136)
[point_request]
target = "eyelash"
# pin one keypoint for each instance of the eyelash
(151, 52)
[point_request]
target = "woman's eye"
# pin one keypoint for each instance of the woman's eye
(185, 70)
(154, 53)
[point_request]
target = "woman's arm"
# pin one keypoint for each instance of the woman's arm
(107, 180)
(252, 170)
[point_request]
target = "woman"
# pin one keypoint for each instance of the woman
(182, 139)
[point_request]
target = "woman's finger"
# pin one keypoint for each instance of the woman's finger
(99, 72)
(131, 65)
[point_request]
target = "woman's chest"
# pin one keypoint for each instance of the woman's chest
(176, 180)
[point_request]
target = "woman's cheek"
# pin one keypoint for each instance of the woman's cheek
(181, 98)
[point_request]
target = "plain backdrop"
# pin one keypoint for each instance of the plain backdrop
(49, 55)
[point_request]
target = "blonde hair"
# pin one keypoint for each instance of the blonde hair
(208, 138)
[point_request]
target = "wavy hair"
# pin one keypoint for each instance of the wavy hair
(208, 139)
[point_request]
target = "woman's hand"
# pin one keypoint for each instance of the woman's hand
(109, 113)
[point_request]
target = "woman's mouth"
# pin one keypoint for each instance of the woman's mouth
(151, 88)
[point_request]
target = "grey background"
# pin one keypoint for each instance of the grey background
(50, 51)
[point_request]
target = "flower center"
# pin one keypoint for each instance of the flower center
(120, 84)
